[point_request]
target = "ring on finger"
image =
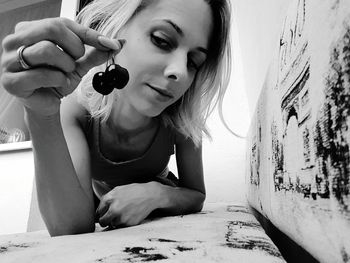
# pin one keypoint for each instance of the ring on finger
(20, 58)
(57, 93)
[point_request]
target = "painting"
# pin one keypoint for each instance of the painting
(298, 157)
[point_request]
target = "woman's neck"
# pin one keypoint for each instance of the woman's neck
(124, 119)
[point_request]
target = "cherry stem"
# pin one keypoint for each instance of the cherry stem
(112, 58)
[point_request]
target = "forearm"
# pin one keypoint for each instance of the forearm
(177, 200)
(65, 207)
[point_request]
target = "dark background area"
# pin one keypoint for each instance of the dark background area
(83, 3)
(291, 251)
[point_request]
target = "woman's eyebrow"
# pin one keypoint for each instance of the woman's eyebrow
(181, 33)
(175, 26)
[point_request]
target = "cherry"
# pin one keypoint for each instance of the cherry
(117, 76)
(101, 84)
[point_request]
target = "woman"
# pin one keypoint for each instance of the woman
(111, 152)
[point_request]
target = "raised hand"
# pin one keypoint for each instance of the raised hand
(59, 52)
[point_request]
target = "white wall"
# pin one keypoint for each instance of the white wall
(16, 177)
(258, 23)
(69, 8)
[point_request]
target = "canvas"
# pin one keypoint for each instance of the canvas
(298, 160)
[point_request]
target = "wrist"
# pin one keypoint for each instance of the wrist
(34, 115)
(159, 195)
(33, 119)
(41, 126)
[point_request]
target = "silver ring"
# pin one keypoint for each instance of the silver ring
(21, 60)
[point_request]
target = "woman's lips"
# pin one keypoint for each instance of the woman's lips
(162, 92)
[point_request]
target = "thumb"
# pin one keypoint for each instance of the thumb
(94, 57)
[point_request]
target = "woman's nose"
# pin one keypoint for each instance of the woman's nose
(176, 69)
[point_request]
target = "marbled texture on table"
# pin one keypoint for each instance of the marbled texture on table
(222, 232)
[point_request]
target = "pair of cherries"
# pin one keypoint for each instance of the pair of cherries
(114, 77)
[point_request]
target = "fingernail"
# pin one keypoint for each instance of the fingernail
(121, 42)
(109, 43)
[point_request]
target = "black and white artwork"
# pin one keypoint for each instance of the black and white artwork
(298, 157)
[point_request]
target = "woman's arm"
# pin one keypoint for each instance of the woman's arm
(129, 205)
(54, 54)
(61, 171)
(189, 196)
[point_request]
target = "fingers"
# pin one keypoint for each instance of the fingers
(92, 58)
(105, 201)
(107, 211)
(107, 219)
(48, 54)
(102, 209)
(67, 34)
(118, 216)
(53, 30)
(59, 52)
(23, 84)
(114, 219)
(89, 36)
(58, 43)
(43, 53)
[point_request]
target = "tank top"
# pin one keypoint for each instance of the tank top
(151, 166)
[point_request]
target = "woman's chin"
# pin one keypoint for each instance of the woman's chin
(152, 111)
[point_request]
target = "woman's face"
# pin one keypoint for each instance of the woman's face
(166, 44)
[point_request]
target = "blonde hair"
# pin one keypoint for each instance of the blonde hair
(189, 114)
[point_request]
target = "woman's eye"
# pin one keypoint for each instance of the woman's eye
(192, 64)
(161, 42)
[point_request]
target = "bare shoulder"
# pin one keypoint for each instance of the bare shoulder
(72, 112)
(181, 140)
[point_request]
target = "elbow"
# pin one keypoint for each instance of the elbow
(60, 224)
(199, 202)
(71, 230)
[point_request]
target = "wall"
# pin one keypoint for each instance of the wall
(258, 26)
(17, 173)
